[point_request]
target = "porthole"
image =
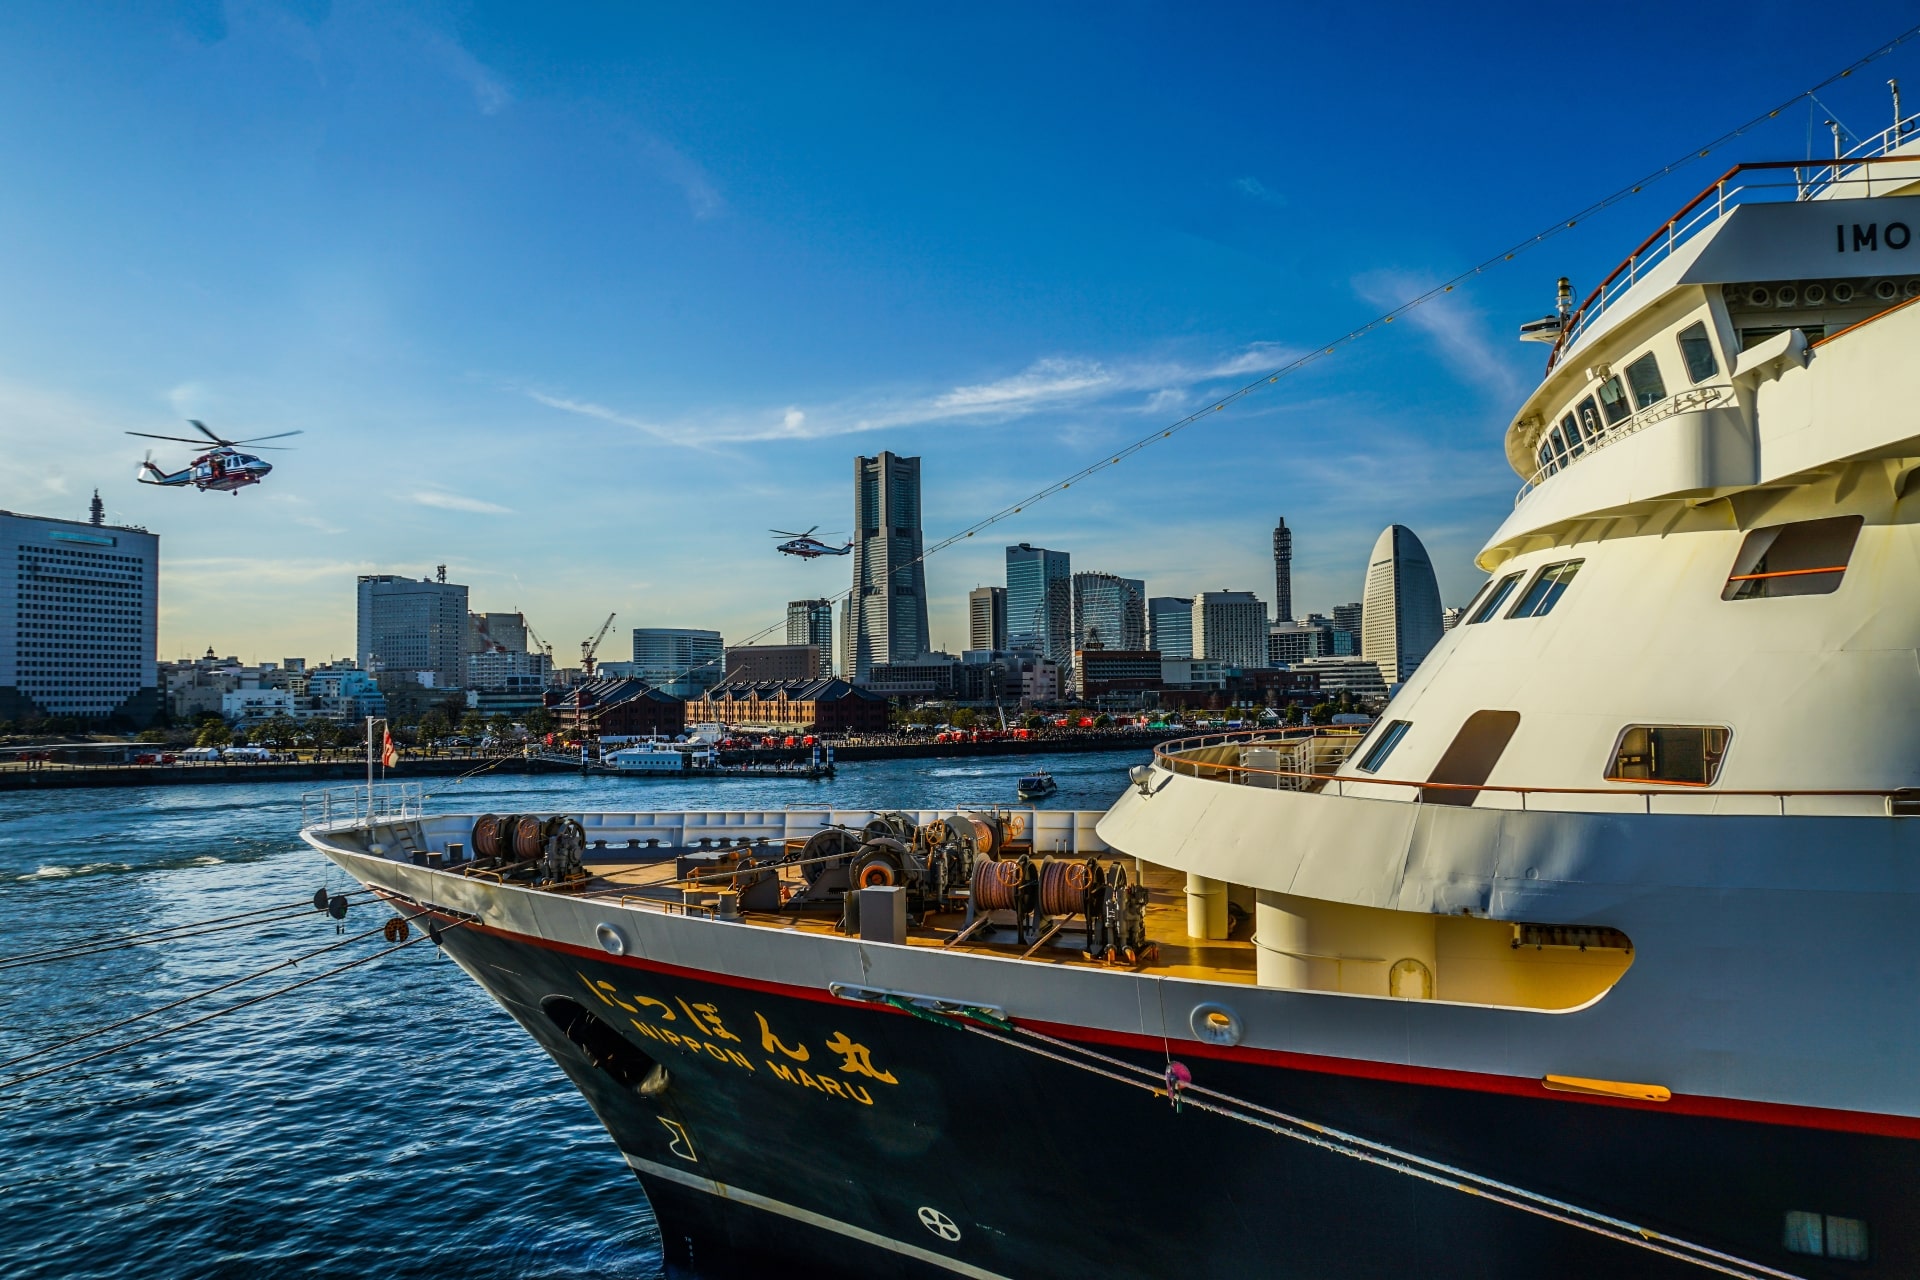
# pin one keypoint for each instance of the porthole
(1785, 296)
(1216, 1024)
(1913, 288)
(1886, 291)
(1816, 294)
(611, 939)
(1760, 295)
(1843, 293)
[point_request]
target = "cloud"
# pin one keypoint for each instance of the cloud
(1254, 189)
(1460, 331)
(703, 197)
(457, 502)
(490, 93)
(1048, 384)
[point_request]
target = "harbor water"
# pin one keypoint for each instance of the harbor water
(388, 1121)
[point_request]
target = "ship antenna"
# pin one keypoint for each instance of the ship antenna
(1563, 298)
(1898, 132)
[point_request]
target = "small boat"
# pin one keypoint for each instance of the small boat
(1037, 785)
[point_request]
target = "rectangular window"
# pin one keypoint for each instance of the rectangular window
(1559, 443)
(1613, 401)
(1495, 598)
(1696, 351)
(1590, 418)
(1570, 432)
(1548, 586)
(1824, 1235)
(1643, 375)
(1687, 755)
(1389, 739)
(1806, 558)
(1546, 458)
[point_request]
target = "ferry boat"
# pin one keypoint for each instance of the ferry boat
(1594, 957)
(1037, 785)
(656, 756)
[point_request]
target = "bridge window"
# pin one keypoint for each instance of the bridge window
(1389, 739)
(1570, 432)
(1495, 598)
(1805, 558)
(1643, 375)
(1685, 755)
(1546, 458)
(1696, 350)
(1548, 586)
(1590, 418)
(1613, 401)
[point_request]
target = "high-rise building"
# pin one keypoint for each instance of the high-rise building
(885, 619)
(1170, 626)
(811, 622)
(496, 633)
(1400, 607)
(987, 618)
(1109, 612)
(1346, 617)
(682, 661)
(1282, 571)
(754, 662)
(413, 626)
(1231, 627)
(1290, 643)
(1040, 601)
(79, 606)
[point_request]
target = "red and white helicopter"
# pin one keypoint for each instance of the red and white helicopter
(223, 468)
(806, 546)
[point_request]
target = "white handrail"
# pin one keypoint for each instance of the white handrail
(1685, 400)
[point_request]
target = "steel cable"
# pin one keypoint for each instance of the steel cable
(178, 933)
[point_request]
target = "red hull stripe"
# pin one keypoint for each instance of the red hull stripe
(1706, 1105)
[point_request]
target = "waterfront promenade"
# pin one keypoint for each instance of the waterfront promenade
(28, 775)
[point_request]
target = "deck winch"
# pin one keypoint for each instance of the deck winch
(529, 847)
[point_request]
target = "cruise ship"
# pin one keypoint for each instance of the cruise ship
(1595, 956)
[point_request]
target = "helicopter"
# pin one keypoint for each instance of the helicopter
(222, 467)
(806, 546)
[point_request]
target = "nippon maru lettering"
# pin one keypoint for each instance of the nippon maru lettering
(1595, 956)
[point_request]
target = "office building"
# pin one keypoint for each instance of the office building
(1109, 612)
(885, 618)
(1170, 626)
(1040, 601)
(1357, 676)
(752, 662)
(811, 622)
(1289, 643)
(496, 632)
(1231, 627)
(1115, 673)
(987, 618)
(683, 661)
(1282, 571)
(508, 670)
(413, 627)
(79, 607)
(1400, 614)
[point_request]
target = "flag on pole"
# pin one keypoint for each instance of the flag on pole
(388, 756)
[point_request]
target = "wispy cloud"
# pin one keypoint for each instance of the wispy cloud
(703, 196)
(457, 502)
(490, 92)
(1048, 384)
(1255, 189)
(1459, 330)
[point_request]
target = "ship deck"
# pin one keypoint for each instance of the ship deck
(1172, 952)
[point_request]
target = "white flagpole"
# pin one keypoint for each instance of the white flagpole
(369, 770)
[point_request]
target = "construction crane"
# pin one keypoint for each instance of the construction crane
(535, 637)
(589, 647)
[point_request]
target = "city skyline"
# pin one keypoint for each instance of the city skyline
(733, 280)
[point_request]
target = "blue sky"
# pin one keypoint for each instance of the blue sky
(580, 300)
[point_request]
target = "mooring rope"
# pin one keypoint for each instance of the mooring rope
(173, 933)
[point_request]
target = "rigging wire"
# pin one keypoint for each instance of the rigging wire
(177, 933)
(1219, 404)
(16, 1081)
(1339, 1142)
(187, 999)
(191, 924)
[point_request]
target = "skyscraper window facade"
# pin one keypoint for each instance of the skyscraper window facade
(79, 605)
(1170, 626)
(1040, 601)
(1230, 627)
(1109, 612)
(987, 618)
(1400, 606)
(811, 622)
(1282, 572)
(885, 617)
(413, 625)
(682, 661)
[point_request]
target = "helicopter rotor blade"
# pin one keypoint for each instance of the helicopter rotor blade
(177, 439)
(205, 431)
(276, 436)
